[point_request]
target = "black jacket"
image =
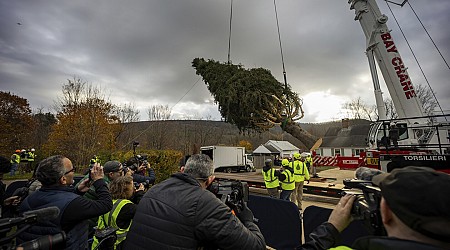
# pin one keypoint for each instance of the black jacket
(179, 214)
(326, 236)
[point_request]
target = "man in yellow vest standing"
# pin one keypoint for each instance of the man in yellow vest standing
(271, 181)
(286, 180)
(300, 175)
(15, 161)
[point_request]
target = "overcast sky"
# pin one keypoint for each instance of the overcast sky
(141, 51)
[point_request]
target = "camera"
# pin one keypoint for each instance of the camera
(57, 241)
(106, 238)
(232, 193)
(145, 183)
(21, 224)
(366, 206)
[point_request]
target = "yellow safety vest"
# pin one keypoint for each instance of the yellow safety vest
(30, 156)
(106, 220)
(300, 171)
(310, 160)
(289, 182)
(15, 158)
(270, 179)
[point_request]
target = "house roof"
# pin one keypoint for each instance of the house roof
(353, 136)
(281, 145)
(261, 150)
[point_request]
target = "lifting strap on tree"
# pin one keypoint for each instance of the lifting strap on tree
(281, 48)
(229, 35)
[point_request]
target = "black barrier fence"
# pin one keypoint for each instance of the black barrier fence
(314, 216)
(278, 220)
(281, 225)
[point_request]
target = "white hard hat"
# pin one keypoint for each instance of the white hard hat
(32, 150)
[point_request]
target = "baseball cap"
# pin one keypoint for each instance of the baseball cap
(419, 197)
(111, 166)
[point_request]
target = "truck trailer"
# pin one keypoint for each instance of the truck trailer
(229, 159)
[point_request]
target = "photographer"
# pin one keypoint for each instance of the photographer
(180, 213)
(122, 213)
(139, 165)
(56, 175)
(414, 212)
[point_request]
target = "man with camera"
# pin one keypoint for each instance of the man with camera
(140, 166)
(180, 213)
(56, 175)
(414, 213)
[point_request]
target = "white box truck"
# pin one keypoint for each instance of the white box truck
(228, 159)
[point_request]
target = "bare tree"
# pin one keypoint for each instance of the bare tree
(426, 97)
(358, 109)
(159, 112)
(127, 113)
(158, 136)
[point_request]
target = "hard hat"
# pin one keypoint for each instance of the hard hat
(32, 150)
(268, 162)
(296, 156)
(17, 150)
(285, 162)
(23, 150)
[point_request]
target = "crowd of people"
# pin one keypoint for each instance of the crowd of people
(22, 156)
(180, 213)
(290, 177)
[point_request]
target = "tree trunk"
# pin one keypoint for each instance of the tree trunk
(304, 136)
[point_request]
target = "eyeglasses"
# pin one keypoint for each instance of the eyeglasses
(70, 171)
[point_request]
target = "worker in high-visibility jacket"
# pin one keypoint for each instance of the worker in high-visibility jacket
(287, 181)
(121, 215)
(271, 181)
(300, 175)
(15, 161)
(94, 160)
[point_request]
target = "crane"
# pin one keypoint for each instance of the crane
(413, 129)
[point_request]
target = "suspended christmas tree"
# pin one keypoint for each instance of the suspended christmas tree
(252, 99)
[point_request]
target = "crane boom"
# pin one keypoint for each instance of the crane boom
(380, 42)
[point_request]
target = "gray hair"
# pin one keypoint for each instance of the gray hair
(199, 166)
(50, 170)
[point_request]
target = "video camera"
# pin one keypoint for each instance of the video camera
(146, 184)
(367, 204)
(106, 238)
(232, 193)
(57, 241)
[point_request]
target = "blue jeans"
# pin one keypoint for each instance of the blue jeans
(14, 168)
(285, 195)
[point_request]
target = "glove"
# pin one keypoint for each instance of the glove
(307, 181)
(245, 215)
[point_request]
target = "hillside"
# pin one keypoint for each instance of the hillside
(188, 135)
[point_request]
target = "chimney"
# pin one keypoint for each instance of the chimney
(345, 123)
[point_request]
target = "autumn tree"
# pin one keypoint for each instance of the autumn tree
(15, 123)
(252, 99)
(246, 144)
(42, 124)
(87, 123)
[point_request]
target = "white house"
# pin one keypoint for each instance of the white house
(348, 140)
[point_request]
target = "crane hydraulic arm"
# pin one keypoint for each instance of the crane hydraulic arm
(380, 44)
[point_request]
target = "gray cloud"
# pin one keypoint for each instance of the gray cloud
(141, 51)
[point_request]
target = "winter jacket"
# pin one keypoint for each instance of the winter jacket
(179, 214)
(326, 236)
